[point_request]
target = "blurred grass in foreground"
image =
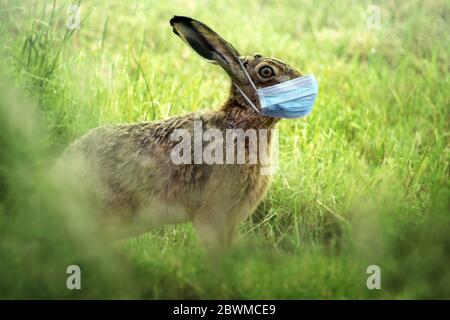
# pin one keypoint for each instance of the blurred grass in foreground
(362, 181)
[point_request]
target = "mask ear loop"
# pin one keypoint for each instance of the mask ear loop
(246, 98)
(253, 85)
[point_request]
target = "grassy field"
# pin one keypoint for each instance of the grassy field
(363, 180)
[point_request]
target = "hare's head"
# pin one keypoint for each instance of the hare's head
(263, 71)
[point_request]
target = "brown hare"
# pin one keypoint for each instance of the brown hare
(132, 166)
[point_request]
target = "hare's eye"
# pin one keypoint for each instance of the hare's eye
(266, 72)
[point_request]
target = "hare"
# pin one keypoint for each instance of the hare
(136, 178)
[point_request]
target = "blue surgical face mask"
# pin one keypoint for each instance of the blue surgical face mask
(290, 99)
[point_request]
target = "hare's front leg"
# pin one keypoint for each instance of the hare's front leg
(216, 228)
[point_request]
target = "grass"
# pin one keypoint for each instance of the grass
(363, 180)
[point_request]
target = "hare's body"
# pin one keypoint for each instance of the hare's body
(132, 172)
(131, 169)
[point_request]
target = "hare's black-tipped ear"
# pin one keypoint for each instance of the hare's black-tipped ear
(184, 28)
(207, 44)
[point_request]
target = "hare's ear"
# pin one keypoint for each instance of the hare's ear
(208, 44)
